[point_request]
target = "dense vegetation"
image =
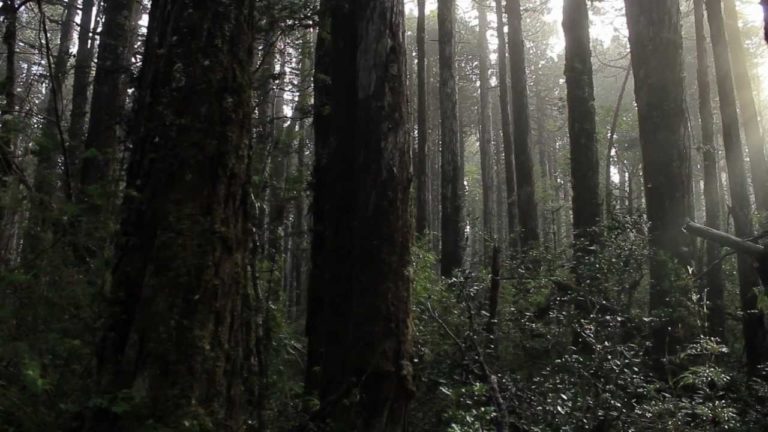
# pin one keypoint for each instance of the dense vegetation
(383, 215)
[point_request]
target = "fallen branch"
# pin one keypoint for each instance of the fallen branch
(724, 239)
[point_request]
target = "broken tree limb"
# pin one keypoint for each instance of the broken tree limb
(727, 240)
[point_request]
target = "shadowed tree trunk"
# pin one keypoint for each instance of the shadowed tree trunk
(359, 295)
(81, 86)
(506, 132)
(753, 321)
(526, 193)
(714, 278)
(486, 156)
(747, 108)
(422, 198)
(182, 305)
(656, 48)
(585, 164)
(609, 201)
(8, 128)
(451, 173)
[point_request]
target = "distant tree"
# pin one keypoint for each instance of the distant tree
(526, 196)
(180, 326)
(451, 172)
(81, 86)
(657, 60)
(753, 320)
(486, 155)
(714, 275)
(422, 188)
(358, 322)
(506, 130)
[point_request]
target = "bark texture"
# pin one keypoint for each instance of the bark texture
(451, 172)
(656, 50)
(180, 330)
(358, 322)
(526, 193)
(715, 282)
(753, 320)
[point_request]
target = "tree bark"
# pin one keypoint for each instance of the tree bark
(358, 322)
(753, 321)
(451, 173)
(506, 132)
(486, 156)
(748, 110)
(8, 164)
(526, 194)
(714, 277)
(182, 305)
(656, 49)
(609, 203)
(81, 86)
(422, 195)
(582, 129)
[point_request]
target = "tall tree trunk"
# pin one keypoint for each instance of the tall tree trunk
(108, 102)
(182, 304)
(755, 334)
(609, 204)
(582, 129)
(451, 173)
(359, 307)
(486, 156)
(656, 48)
(714, 277)
(81, 86)
(748, 110)
(49, 145)
(506, 132)
(8, 165)
(526, 193)
(422, 198)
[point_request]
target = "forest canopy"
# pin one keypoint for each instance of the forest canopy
(383, 215)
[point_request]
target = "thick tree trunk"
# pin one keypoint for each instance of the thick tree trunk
(526, 193)
(451, 173)
(108, 102)
(486, 156)
(714, 278)
(8, 131)
(179, 328)
(755, 333)
(582, 128)
(656, 49)
(358, 321)
(422, 195)
(81, 86)
(748, 110)
(506, 132)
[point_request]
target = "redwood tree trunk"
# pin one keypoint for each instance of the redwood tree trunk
(486, 156)
(753, 321)
(358, 322)
(526, 193)
(81, 85)
(506, 131)
(582, 127)
(182, 307)
(714, 278)
(451, 173)
(422, 192)
(656, 49)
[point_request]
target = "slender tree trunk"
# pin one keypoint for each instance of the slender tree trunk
(81, 86)
(755, 334)
(486, 156)
(422, 199)
(609, 202)
(526, 193)
(49, 146)
(748, 110)
(359, 306)
(182, 303)
(582, 129)
(715, 283)
(451, 174)
(656, 49)
(506, 132)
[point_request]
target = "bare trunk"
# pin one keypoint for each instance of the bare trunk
(486, 157)
(422, 199)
